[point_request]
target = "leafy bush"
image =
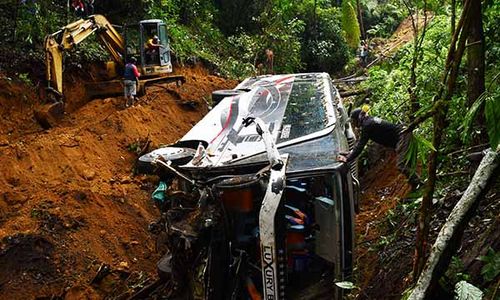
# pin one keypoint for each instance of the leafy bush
(32, 21)
(389, 82)
(284, 38)
(491, 268)
(381, 18)
(466, 291)
(234, 68)
(492, 34)
(327, 50)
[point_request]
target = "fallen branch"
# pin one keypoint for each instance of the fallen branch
(452, 173)
(355, 79)
(440, 250)
(453, 152)
(354, 93)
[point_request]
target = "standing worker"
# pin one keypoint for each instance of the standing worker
(269, 61)
(363, 53)
(131, 79)
(385, 133)
(79, 8)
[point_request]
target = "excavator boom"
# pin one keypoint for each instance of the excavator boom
(73, 34)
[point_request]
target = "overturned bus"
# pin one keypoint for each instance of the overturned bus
(254, 203)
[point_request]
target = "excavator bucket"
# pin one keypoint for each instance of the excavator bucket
(48, 115)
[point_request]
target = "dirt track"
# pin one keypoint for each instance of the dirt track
(68, 199)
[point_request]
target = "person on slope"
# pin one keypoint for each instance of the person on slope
(384, 133)
(131, 79)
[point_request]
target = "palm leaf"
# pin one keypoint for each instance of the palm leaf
(492, 113)
(471, 116)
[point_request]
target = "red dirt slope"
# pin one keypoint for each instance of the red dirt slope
(383, 188)
(68, 200)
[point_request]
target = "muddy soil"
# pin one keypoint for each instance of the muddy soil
(69, 202)
(380, 196)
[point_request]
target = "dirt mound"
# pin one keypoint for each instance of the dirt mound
(68, 194)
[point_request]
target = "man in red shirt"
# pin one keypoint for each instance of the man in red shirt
(79, 8)
(131, 79)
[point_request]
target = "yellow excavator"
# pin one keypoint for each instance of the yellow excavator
(154, 66)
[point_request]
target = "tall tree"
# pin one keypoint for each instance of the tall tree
(419, 31)
(455, 53)
(475, 56)
(350, 24)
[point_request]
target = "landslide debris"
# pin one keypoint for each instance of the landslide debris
(69, 201)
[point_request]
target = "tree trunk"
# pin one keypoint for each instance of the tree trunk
(459, 217)
(475, 59)
(417, 52)
(412, 85)
(360, 19)
(454, 59)
(453, 16)
(415, 106)
(14, 28)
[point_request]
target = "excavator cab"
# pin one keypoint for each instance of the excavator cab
(154, 32)
(155, 49)
(148, 43)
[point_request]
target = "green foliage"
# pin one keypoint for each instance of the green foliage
(470, 117)
(389, 85)
(389, 82)
(350, 24)
(456, 272)
(190, 27)
(492, 113)
(24, 77)
(283, 37)
(492, 34)
(235, 15)
(232, 35)
(234, 68)
(134, 147)
(491, 268)
(418, 150)
(324, 47)
(466, 291)
(381, 18)
(34, 20)
(407, 293)
(490, 100)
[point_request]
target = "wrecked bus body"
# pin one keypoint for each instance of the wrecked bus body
(255, 204)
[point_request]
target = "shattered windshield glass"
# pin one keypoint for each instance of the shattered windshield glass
(305, 112)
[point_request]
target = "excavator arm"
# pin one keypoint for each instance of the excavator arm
(70, 36)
